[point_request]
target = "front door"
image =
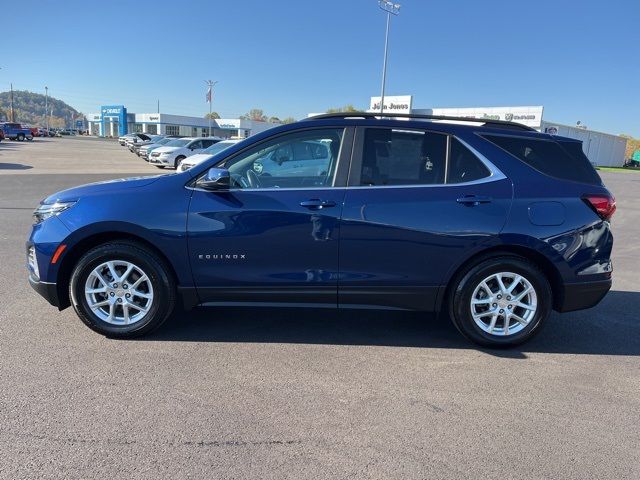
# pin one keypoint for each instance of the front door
(273, 237)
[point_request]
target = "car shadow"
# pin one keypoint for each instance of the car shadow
(611, 328)
(14, 166)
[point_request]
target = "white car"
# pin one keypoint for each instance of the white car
(206, 154)
(123, 139)
(173, 153)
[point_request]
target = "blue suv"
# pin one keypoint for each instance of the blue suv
(488, 222)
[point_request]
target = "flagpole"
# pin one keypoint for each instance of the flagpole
(210, 84)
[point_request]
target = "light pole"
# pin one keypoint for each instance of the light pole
(392, 9)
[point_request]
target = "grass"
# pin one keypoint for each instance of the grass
(618, 169)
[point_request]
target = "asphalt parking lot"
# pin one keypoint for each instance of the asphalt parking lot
(297, 393)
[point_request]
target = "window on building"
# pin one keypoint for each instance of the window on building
(152, 129)
(564, 160)
(172, 130)
(137, 128)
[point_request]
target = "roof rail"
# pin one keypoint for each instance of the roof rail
(419, 116)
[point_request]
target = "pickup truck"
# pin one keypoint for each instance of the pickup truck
(15, 131)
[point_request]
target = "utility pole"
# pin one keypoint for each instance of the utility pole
(158, 105)
(210, 85)
(46, 107)
(11, 102)
(392, 9)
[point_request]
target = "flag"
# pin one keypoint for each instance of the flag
(208, 95)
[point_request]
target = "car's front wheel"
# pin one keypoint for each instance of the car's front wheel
(179, 161)
(122, 290)
(501, 301)
(20, 137)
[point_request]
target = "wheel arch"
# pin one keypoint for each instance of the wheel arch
(548, 268)
(73, 255)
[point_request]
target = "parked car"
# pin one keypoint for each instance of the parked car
(34, 131)
(1, 134)
(148, 148)
(206, 154)
(136, 137)
(135, 147)
(15, 131)
(489, 222)
(122, 140)
(173, 153)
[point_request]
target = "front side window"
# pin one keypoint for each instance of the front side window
(304, 159)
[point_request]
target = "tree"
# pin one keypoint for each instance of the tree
(288, 120)
(255, 114)
(274, 120)
(346, 108)
(212, 115)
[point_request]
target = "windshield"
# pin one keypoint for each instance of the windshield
(164, 141)
(217, 148)
(178, 143)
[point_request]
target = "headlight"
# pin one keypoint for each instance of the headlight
(43, 212)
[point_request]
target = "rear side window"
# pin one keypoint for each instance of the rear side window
(403, 157)
(566, 161)
(464, 166)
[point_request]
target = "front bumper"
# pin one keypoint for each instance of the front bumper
(579, 296)
(47, 290)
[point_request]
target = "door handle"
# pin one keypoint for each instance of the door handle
(473, 200)
(317, 204)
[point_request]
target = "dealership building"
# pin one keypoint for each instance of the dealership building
(602, 149)
(115, 120)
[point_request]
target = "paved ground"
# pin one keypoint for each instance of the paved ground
(240, 393)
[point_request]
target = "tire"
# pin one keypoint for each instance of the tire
(522, 322)
(179, 161)
(159, 166)
(20, 137)
(149, 277)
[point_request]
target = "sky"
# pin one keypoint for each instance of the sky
(579, 59)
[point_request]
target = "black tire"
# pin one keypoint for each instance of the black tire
(179, 161)
(465, 284)
(159, 166)
(164, 289)
(20, 137)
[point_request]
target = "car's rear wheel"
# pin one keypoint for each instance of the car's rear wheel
(122, 290)
(179, 161)
(501, 301)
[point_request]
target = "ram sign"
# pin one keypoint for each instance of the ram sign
(530, 116)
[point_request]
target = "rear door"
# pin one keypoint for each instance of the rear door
(416, 203)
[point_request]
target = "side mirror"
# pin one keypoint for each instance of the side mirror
(215, 179)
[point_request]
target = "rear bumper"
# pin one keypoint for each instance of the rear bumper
(47, 290)
(579, 296)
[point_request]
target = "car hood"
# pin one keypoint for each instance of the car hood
(166, 149)
(107, 186)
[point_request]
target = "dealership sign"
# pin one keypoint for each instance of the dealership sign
(530, 116)
(392, 104)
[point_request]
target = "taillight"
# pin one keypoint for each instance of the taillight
(603, 205)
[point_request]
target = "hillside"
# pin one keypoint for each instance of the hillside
(29, 108)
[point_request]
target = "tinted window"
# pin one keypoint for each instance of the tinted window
(275, 163)
(464, 166)
(403, 157)
(548, 157)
